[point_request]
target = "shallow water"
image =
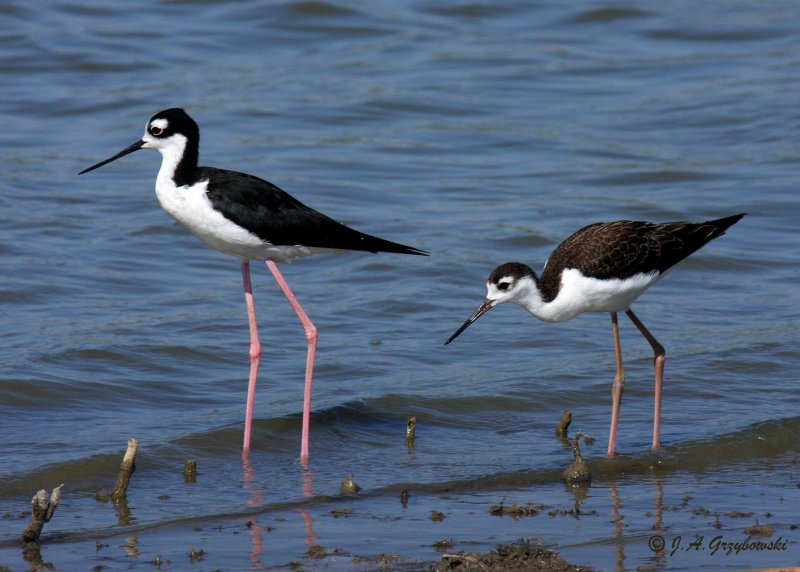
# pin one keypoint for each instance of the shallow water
(481, 132)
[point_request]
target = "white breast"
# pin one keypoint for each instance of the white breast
(580, 294)
(190, 206)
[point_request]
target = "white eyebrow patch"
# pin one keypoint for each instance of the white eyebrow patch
(161, 123)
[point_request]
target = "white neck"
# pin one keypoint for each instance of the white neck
(566, 305)
(171, 156)
(527, 295)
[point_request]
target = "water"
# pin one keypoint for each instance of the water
(481, 132)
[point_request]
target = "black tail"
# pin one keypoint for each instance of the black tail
(696, 235)
(677, 240)
(371, 243)
(721, 225)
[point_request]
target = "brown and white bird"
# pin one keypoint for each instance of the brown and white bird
(603, 267)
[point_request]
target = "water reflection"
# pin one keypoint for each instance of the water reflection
(256, 500)
(124, 515)
(131, 547)
(579, 492)
(32, 554)
(307, 478)
(618, 517)
(659, 558)
(616, 511)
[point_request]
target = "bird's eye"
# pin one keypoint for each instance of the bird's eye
(503, 285)
(156, 130)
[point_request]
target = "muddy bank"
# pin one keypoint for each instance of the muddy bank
(521, 555)
(524, 555)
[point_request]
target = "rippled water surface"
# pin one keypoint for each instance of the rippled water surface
(480, 132)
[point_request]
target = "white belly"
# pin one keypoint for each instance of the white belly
(189, 205)
(579, 294)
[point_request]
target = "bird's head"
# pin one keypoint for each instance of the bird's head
(509, 282)
(171, 132)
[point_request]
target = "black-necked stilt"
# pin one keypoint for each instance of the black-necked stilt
(603, 267)
(249, 218)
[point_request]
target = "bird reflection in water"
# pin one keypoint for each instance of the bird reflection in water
(256, 500)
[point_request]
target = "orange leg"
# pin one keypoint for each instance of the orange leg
(658, 363)
(616, 387)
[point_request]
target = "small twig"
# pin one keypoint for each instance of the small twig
(42, 509)
(126, 469)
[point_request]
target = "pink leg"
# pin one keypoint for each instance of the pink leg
(616, 387)
(311, 338)
(255, 354)
(658, 362)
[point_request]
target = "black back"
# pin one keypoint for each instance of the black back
(261, 207)
(278, 218)
(621, 249)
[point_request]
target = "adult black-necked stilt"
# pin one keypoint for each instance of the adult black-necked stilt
(603, 267)
(249, 218)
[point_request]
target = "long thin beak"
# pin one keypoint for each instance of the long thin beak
(482, 309)
(127, 151)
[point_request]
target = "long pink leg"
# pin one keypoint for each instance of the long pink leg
(311, 338)
(658, 364)
(255, 354)
(616, 387)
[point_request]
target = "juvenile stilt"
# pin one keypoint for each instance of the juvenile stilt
(603, 267)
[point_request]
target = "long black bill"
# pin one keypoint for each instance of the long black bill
(482, 309)
(127, 151)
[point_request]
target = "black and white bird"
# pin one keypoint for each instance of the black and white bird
(603, 267)
(248, 218)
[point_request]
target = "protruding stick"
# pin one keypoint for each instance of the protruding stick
(563, 424)
(126, 469)
(190, 471)
(411, 427)
(578, 472)
(350, 486)
(42, 509)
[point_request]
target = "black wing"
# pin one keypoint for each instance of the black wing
(278, 218)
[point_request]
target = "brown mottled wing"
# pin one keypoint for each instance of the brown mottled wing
(624, 248)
